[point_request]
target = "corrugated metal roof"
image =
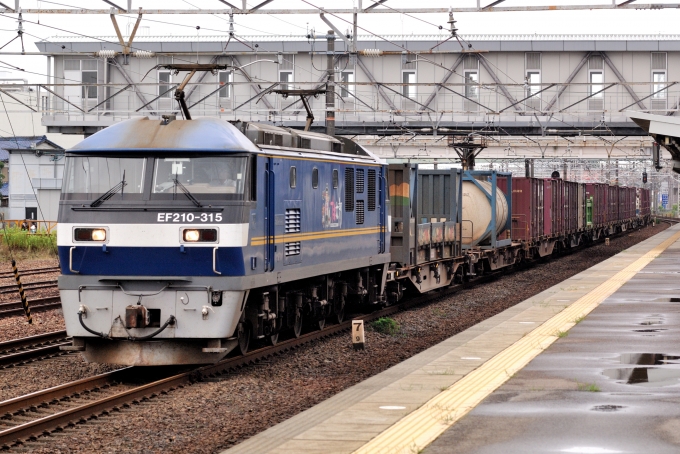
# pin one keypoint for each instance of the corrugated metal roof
(405, 37)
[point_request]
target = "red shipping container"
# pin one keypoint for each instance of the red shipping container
(553, 206)
(527, 207)
(623, 207)
(570, 206)
(581, 206)
(644, 202)
(613, 200)
(632, 202)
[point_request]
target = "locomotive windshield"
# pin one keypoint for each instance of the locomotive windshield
(87, 178)
(207, 178)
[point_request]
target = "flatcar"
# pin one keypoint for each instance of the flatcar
(182, 240)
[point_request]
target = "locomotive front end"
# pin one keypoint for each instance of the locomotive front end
(152, 224)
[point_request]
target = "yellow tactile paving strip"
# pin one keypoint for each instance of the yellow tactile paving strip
(421, 427)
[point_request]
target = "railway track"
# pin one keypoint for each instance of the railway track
(52, 283)
(667, 219)
(9, 274)
(52, 410)
(36, 305)
(33, 348)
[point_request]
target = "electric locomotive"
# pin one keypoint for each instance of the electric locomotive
(181, 240)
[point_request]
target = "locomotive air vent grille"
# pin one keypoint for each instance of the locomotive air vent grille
(293, 220)
(349, 189)
(371, 190)
(306, 143)
(360, 181)
(292, 248)
(360, 212)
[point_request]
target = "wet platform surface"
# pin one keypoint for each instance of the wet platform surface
(536, 378)
(612, 385)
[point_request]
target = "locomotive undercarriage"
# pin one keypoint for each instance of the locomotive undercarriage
(293, 306)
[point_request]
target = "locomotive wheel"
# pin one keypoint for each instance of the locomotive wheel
(273, 339)
(297, 327)
(340, 315)
(243, 337)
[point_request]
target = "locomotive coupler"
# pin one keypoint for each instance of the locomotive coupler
(437, 276)
(419, 279)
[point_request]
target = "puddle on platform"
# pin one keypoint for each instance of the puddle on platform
(607, 408)
(656, 374)
(651, 322)
(650, 376)
(649, 359)
(649, 330)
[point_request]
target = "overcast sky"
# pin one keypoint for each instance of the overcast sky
(546, 22)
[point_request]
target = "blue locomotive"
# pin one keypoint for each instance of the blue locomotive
(181, 240)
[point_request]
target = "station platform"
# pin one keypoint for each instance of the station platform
(591, 365)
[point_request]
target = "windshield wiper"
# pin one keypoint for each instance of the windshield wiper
(186, 192)
(108, 194)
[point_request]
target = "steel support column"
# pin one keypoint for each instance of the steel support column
(583, 61)
(619, 76)
(445, 79)
(378, 87)
(127, 78)
(495, 78)
(253, 85)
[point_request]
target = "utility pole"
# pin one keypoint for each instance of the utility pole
(330, 85)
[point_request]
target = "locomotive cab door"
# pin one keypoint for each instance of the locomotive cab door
(270, 216)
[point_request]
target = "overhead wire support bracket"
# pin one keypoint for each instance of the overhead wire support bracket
(303, 97)
(192, 68)
(114, 5)
(378, 3)
(126, 46)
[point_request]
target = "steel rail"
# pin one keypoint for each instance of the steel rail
(59, 420)
(94, 408)
(37, 305)
(9, 274)
(29, 285)
(23, 342)
(33, 347)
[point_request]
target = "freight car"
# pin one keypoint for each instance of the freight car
(183, 240)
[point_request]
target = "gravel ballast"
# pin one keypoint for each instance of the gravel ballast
(210, 416)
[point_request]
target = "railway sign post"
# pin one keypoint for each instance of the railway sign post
(358, 334)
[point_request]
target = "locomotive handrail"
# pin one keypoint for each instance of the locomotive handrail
(215, 261)
(70, 261)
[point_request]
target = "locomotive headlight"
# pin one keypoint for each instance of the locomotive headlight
(199, 235)
(90, 234)
(98, 235)
(191, 235)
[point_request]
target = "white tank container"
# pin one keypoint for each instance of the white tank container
(477, 212)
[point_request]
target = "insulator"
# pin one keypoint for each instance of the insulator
(371, 52)
(107, 53)
(143, 54)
